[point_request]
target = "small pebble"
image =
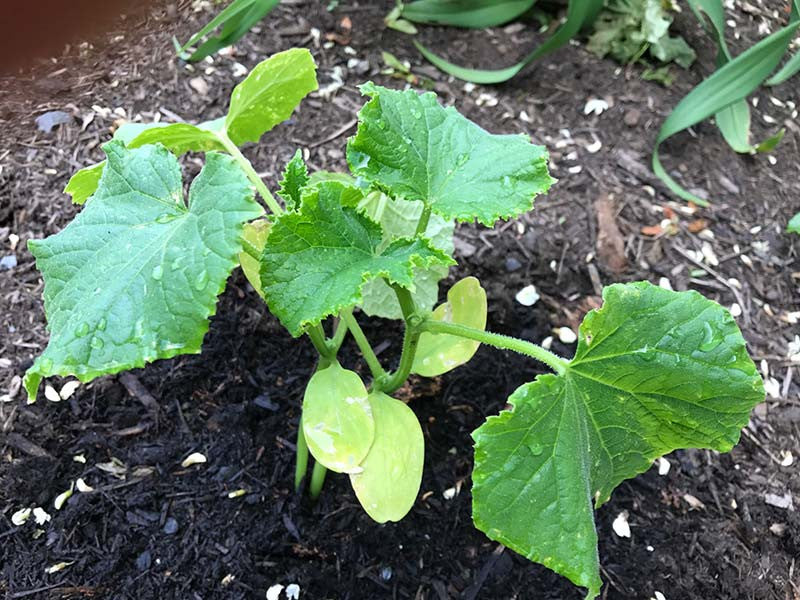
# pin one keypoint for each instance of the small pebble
(566, 335)
(144, 560)
(386, 573)
(171, 526)
(621, 526)
(632, 117)
(292, 591)
(9, 261)
(512, 264)
(528, 296)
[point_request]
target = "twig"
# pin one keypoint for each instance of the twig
(343, 129)
(138, 391)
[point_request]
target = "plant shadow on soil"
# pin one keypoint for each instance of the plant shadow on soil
(156, 530)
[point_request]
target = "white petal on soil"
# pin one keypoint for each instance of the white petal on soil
(693, 502)
(41, 515)
(663, 466)
(566, 335)
(736, 310)
(449, 493)
(595, 106)
(594, 147)
(292, 591)
(51, 394)
(788, 458)
(57, 567)
(68, 389)
(665, 283)
(237, 493)
(19, 517)
(82, 486)
(195, 458)
(621, 526)
(772, 387)
(79, 458)
(63, 497)
(659, 596)
(527, 296)
(274, 592)
(547, 342)
(785, 501)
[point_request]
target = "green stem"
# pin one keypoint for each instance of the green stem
(248, 169)
(422, 224)
(301, 457)
(317, 337)
(363, 344)
(504, 342)
(410, 342)
(338, 336)
(317, 480)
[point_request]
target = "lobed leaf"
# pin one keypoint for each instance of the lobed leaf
(398, 219)
(338, 424)
(415, 149)
(388, 482)
(295, 178)
(317, 259)
(439, 353)
(269, 94)
(135, 276)
(654, 371)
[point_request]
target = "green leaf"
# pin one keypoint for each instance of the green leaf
(466, 13)
(178, 138)
(398, 219)
(135, 276)
(388, 482)
(316, 260)
(269, 94)
(84, 183)
(236, 20)
(730, 84)
(256, 234)
(295, 178)
(337, 419)
(580, 14)
(415, 149)
(655, 370)
(794, 224)
(439, 353)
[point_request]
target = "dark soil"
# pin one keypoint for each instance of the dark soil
(154, 530)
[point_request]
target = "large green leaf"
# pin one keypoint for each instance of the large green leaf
(135, 276)
(465, 13)
(269, 94)
(399, 218)
(317, 259)
(388, 481)
(655, 370)
(415, 149)
(338, 423)
(439, 353)
(176, 137)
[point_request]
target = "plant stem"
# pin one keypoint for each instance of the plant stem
(410, 341)
(317, 337)
(317, 480)
(504, 342)
(363, 344)
(248, 169)
(301, 457)
(422, 224)
(338, 335)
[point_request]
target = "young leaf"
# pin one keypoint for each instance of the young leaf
(399, 218)
(316, 260)
(389, 481)
(255, 234)
(794, 224)
(654, 371)
(439, 353)
(415, 149)
(337, 419)
(84, 183)
(295, 178)
(135, 276)
(269, 94)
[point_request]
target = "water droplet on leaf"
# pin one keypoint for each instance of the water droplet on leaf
(82, 329)
(158, 272)
(202, 281)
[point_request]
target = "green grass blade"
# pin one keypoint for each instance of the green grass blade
(230, 11)
(474, 14)
(579, 14)
(788, 70)
(730, 84)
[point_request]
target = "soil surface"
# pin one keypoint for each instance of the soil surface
(716, 527)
